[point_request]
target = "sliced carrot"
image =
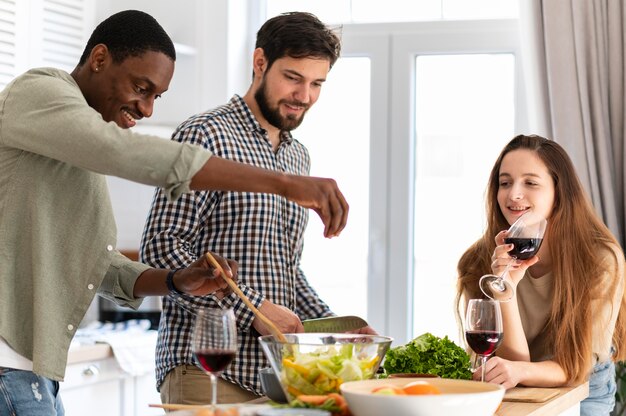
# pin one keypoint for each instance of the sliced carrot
(227, 412)
(313, 399)
(318, 400)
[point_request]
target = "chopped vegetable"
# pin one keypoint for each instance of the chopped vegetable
(333, 403)
(322, 371)
(420, 387)
(388, 391)
(413, 388)
(428, 354)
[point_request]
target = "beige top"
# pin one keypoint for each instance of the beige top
(58, 233)
(534, 297)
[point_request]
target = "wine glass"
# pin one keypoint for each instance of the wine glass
(214, 343)
(526, 235)
(483, 329)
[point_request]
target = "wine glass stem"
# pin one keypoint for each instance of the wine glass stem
(213, 391)
(483, 362)
(506, 269)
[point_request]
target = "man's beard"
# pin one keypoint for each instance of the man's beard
(273, 116)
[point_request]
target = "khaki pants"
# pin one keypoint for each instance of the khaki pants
(187, 384)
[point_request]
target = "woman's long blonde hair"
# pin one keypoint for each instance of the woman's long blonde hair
(577, 236)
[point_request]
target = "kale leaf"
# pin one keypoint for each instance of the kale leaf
(428, 354)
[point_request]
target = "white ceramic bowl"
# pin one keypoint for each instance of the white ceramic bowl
(458, 397)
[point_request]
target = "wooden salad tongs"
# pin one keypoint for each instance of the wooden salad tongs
(273, 328)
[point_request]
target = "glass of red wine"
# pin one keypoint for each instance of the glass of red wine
(214, 343)
(483, 329)
(526, 235)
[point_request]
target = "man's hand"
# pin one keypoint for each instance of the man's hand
(322, 196)
(284, 319)
(201, 278)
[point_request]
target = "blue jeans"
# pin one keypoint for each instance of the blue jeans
(24, 393)
(602, 388)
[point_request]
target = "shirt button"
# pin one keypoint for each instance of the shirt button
(70, 327)
(109, 247)
(90, 286)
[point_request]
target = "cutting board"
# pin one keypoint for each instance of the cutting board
(529, 394)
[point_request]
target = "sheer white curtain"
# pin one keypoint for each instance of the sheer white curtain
(574, 66)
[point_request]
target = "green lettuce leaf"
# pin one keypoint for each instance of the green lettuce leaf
(428, 354)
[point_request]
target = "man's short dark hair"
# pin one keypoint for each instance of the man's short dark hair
(297, 35)
(130, 33)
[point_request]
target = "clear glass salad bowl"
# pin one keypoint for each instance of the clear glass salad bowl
(318, 363)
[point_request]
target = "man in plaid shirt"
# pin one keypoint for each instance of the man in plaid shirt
(262, 232)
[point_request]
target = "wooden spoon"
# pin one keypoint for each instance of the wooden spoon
(273, 328)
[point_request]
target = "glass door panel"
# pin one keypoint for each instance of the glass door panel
(337, 133)
(464, 115)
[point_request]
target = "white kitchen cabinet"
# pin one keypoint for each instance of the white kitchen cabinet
(145, 393)
(101, 387)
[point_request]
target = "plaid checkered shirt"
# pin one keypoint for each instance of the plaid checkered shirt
(262, 232)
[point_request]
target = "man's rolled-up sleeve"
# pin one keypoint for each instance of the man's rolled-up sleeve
(189, 162)
(119, 282)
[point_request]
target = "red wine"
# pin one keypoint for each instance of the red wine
(524, 248)
(483, 342)
(214, 361)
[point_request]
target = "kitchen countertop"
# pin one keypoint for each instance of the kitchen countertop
(567, 398)
(83, 353)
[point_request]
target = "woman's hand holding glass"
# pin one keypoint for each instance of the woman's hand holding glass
(525, 236)
(500, 371)
(501, 259)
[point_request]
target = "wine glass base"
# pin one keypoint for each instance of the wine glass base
(496, 288)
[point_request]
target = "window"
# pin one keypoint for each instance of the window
(464, 113)
(339, 149)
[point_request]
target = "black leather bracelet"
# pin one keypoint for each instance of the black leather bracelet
(169, 281)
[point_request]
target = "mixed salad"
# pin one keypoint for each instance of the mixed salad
(322, 371)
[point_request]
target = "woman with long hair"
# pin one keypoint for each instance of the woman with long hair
(566, 323)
